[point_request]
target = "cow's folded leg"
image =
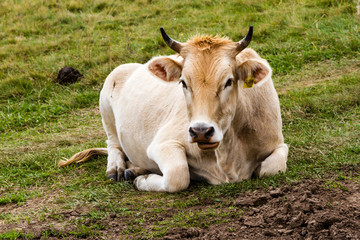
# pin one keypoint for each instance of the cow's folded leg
(274, 163)
(150, 182)
(116, 164)
(132, 171)
(169, 182)
(172, 162)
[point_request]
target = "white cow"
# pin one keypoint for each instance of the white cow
(209, 113)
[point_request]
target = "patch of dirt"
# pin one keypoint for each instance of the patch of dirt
(308, 209)
(305, 210)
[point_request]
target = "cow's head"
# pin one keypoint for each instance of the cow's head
(210, 76)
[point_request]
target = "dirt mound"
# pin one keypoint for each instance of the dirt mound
(311, 209)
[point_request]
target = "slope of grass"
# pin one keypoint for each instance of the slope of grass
(313, 47)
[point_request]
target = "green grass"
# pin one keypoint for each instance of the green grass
(312, 46)
(12, 234)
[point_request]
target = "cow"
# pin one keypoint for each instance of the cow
(209, 113)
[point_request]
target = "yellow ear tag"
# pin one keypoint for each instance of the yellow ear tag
(249, 81)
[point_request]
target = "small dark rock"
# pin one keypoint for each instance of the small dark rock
(68, 75)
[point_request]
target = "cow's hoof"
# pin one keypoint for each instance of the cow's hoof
(115, 176)
(112, 177)
(129, 175)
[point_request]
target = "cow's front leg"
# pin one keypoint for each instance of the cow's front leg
(116, 157)
(274, 163)
(116, 163)
(171, 159)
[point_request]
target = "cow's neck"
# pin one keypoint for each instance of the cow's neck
(232, 158)
(252, 109)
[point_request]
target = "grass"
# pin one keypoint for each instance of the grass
(12, 234)
(312, 46)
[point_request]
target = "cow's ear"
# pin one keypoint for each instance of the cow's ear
(253, 71)
(165, 68)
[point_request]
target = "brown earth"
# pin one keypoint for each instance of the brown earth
(304, 210)
(308, 209)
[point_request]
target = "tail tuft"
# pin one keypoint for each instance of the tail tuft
(83, 156)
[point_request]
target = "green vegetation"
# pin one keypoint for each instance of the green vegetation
(12, 234)
(313, 47)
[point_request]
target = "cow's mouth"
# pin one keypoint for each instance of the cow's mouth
(207, 145)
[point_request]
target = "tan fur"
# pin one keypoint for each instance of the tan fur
(208, 42)
(83, 156)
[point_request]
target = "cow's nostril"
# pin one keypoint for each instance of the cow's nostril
(209, 132)
(192, 133)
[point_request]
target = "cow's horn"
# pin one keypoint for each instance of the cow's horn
(241, 45)
(173, 44)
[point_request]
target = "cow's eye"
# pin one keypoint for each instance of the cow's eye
(183, 84)
(228, 83)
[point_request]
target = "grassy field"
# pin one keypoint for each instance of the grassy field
(313, 47)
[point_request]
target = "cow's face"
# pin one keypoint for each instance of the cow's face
(209, 83)
(209, 75)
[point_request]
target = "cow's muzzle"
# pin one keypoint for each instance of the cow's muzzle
(202, 136)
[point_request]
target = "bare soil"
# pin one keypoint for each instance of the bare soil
(326, 208)
(305, 210)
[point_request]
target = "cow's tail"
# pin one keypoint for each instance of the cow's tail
(83, 156)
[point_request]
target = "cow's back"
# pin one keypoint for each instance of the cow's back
(115, 81)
